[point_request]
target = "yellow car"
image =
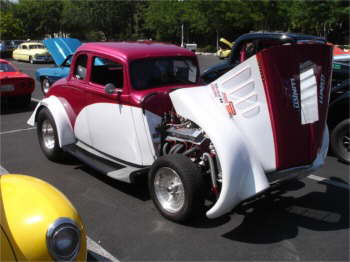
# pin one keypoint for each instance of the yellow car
(32, 52)
(38, 223)
(225, 48)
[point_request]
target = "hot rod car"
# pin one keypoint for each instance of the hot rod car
(132, 109)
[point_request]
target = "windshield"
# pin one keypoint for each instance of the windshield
(4, 67)
(158, 72)
(36, 46)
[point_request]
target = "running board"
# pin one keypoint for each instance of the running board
(112, 168)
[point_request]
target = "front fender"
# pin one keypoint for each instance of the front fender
(64, 128)
(242, 174)
(28, 207)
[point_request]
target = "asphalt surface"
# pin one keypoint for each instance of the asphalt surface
(304, 220)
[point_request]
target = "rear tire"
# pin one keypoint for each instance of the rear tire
(176, 187)
(340, 141)
(47, 135)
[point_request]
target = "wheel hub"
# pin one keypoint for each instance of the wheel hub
(169, 189)
(48, 134)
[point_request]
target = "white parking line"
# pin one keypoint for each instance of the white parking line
(329, 181)
(94, 249)
(16, 130)
(36, 100)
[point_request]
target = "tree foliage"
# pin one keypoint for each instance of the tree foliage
(204, 21)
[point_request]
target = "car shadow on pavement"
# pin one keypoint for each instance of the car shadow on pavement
(276, 217)
(139, 189)
(8, 107)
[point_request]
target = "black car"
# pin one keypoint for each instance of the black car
(338, 114)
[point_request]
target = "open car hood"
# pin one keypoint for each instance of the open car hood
(61, 48)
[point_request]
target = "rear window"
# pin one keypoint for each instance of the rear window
(158, 72)
(4, 67)
(36, 46)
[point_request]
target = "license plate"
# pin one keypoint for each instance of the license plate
(7, 88)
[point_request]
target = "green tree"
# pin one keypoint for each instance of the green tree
(113, 18)
(10, 27)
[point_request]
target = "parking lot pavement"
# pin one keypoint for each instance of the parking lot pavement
(303, 220)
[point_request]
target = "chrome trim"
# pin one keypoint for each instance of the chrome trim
(59, 224)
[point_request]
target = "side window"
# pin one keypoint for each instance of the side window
(105, 71)
(80, 67)
(24, 47)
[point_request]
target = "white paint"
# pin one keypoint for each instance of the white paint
(17, 130)
(110, 129)
(59, 114)
(243, 174)
(329, 181)
(244, 88)
(308, 97)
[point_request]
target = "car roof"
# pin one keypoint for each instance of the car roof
(136, 50)
(31, 43)
(278, 35)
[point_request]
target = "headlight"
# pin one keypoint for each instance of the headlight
(63, 239)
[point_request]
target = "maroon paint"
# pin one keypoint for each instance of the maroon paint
(295, 144)
(77, 94)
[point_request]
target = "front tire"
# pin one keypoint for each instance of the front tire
(176, 187)
(340, 141)
(47, 135)
(45, 85)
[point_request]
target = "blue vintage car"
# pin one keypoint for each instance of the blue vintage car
(61, 50)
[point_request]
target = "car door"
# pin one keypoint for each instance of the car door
(73, 97)
(110, 117)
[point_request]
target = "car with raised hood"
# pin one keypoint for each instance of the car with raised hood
(38, 223)
(32, 52)
(225, 48)
(15, 86)
(140, 109)
(61, 50)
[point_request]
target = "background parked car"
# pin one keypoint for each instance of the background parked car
(38, 223)
(15, 85)
(61, 50)
(31, 52)
(225, 48)
(338, 115)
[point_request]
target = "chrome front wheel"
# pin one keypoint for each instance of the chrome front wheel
(169, 189)
(176, 187)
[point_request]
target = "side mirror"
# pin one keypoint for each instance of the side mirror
(111, 89)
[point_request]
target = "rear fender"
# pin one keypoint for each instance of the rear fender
(56, 108)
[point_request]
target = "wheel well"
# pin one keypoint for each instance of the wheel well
(38, 111)
(338, 113)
